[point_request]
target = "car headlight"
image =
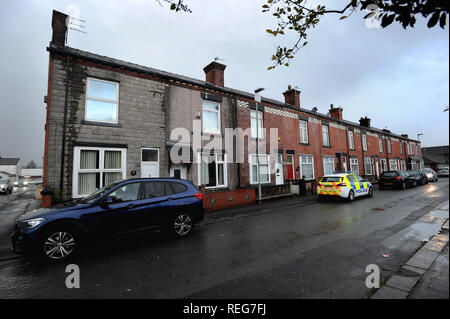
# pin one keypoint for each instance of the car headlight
(30, 223)
(3, 185)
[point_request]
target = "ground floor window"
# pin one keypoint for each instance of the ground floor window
(95, 168)
(264, 168)
(393, 164)
(367, 166)
(212, 170)
(354, 167)
(328, 165)
(306, 166)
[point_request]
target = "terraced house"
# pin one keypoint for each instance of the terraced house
(109, 120)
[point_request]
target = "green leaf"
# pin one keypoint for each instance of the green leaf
(443, 20)
(343, 17)
(173, 6)
(433, 20)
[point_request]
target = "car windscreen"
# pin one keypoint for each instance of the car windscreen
(330, 179)
(3, 181)
(389, 174)
(97, 194)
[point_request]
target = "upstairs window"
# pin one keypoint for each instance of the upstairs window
(256, 120)
(211, 117)
(389, 146)
(364, 142)
(401, 148)
(325, 135)
(102, 101)
(351, 141)
(380, 143)
(303, 132)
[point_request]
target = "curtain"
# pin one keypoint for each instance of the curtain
(113, 159)
(204, 175)
(87, 183)
(89, 159)
(109, 178)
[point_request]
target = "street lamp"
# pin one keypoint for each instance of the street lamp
(258, 99)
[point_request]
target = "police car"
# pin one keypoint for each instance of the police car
(346, 185)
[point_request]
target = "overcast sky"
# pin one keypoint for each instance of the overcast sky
(398, 78)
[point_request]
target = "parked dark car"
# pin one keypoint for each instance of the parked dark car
(395, 179)
(420, 177)
(121, 207)
(431, 174)
(6, 186)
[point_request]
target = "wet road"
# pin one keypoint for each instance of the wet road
(314, 251)
(11, 206)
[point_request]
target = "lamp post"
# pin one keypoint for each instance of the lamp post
(258, 99)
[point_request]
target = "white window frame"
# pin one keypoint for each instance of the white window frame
(303, 132)
(389, 147)
(218, 131)
(312, 163)
(368, 161)
(93, 98)
(351, 164)
(251, 164)
(217, 162)
(401, 148)
(326, 133)
(351, 140)
(332, 162)
(383, 165)
(364, 142)
(76, 166)
(380, 144)
(253, 115)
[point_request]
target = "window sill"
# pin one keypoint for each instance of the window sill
(100, 123)
(327, 146)
(306, 144)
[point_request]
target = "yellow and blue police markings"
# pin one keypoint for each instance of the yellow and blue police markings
(342, 184)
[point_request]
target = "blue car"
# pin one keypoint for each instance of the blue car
(121, 207)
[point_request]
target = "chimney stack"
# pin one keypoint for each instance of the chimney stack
(215, 73)
(405, 136)
(59, 26)
(364, 121)
(292, 97)
(336, 112)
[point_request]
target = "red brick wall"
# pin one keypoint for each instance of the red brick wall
(222, 199)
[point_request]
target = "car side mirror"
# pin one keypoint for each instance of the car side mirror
(106, 202)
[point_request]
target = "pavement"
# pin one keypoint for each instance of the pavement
(425, 274)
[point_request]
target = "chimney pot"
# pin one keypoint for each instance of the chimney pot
(364, 121)
(215, 73)
(336, 112)
(59, 26)
(292, 96)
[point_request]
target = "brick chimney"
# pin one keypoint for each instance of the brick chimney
(364, 121)
(336, 112)
(405, 136)
(59, 26)
(214, 73)
(292, 97)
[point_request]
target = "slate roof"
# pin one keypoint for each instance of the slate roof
(184, 79)
(9, 161)
(435, 154)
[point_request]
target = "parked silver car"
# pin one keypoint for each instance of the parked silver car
(6, 186)
(431, 174)
(442, 172)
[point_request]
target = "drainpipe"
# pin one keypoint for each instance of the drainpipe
(66, 99)
(236, 122)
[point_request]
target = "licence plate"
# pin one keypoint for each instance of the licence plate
(387, 183)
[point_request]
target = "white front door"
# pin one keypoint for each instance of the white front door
(279, 178)
(178, 171)
(149, 162)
